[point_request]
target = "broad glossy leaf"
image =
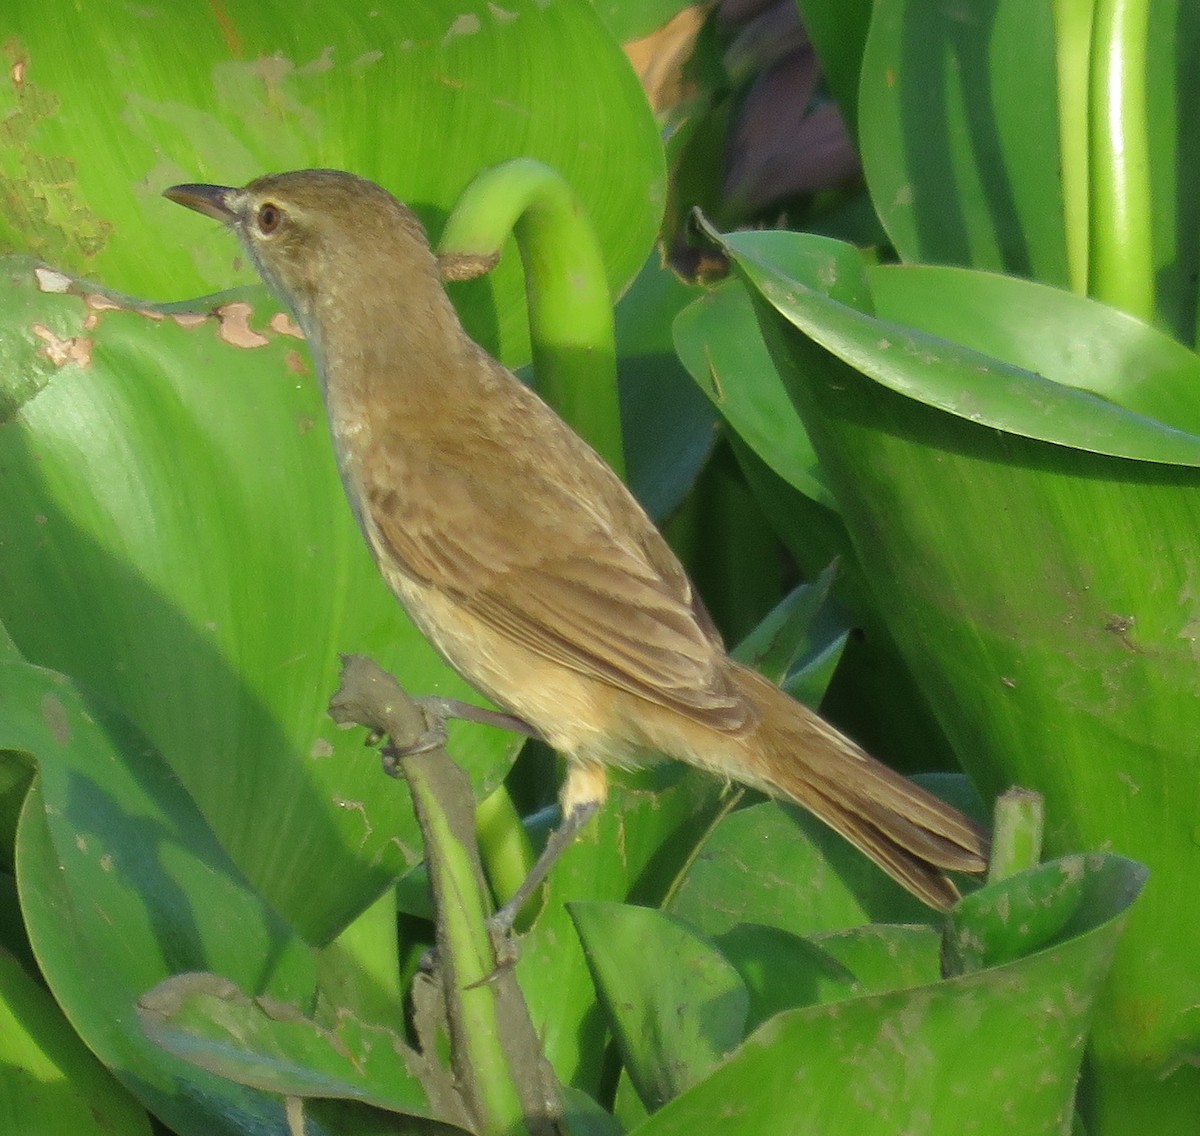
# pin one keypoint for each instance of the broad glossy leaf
(104, 108)
(781, 971)
(1044, 598)
(717, 338)
(121, 878)
(969, 385)
(176, 537)
(959, 169)
(49, 1082)
(667, 424)
(1172, 127)
(207, 1020)
(992, 1052)
(886, 956)
(633, 850)
(781, 867)
(1063, 337)
(676, 1006)
(1044, 906)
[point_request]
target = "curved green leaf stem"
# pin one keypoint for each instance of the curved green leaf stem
(1122, 268)
(504, 845)
(570, 308)
(1072, 53)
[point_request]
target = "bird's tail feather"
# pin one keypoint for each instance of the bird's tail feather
(908, 832)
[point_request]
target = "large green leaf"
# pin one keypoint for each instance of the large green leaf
(176, 537)
(49, 1082)
(962, 172)
(635, 850)
(860, 1034)
(1040, 586)
(781, 867)
(208, 1021)
(106, 106)
(122, 885)
(717, 339)
(1106, 352)
(960, 169)
(664, 1050)
(837, 309)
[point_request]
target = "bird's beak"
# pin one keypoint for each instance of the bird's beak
(211, 200)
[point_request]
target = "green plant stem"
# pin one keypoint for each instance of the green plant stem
(1017, 834)
(492, 1043)
(1122, 268)
(504, 845)
(1073, 43)
(570, 308)
(465, 952)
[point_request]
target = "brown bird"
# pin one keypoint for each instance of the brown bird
(523, 557)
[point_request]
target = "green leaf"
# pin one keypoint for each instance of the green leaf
(718, 340)
(676, 1006)
(49, 1081)
(965, 383)
(668, 425)
(992, 1052)
(418, 97)
(272, 1046)
(635, 849)
(119, 876)
(782, 971)
(884, 957)
(1107, 352)
(779, 866)
(959, 169)
(177, 539)
(1038, 909)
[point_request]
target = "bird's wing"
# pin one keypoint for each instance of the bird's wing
(560, 560)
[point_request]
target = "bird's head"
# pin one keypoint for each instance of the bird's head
(318, 237)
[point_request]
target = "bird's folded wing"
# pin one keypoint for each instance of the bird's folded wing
(555, 575)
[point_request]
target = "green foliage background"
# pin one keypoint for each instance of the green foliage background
(1004, 466)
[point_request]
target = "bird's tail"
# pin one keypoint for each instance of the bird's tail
(909, 833)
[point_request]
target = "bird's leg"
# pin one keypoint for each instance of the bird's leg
(584, 791)
(500, 925)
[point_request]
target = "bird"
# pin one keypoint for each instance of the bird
(523, 557)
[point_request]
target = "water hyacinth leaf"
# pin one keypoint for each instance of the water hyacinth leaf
(675, 1005)
(258, 87)
(272, 1046)
(1031, 548)
(779, 866)
(991, 1052)
(958, 169)
(49, 1081)
(120, 876)
(965, 383)
(718, 341)
(178, 539)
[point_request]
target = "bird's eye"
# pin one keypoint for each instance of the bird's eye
(269, 217)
